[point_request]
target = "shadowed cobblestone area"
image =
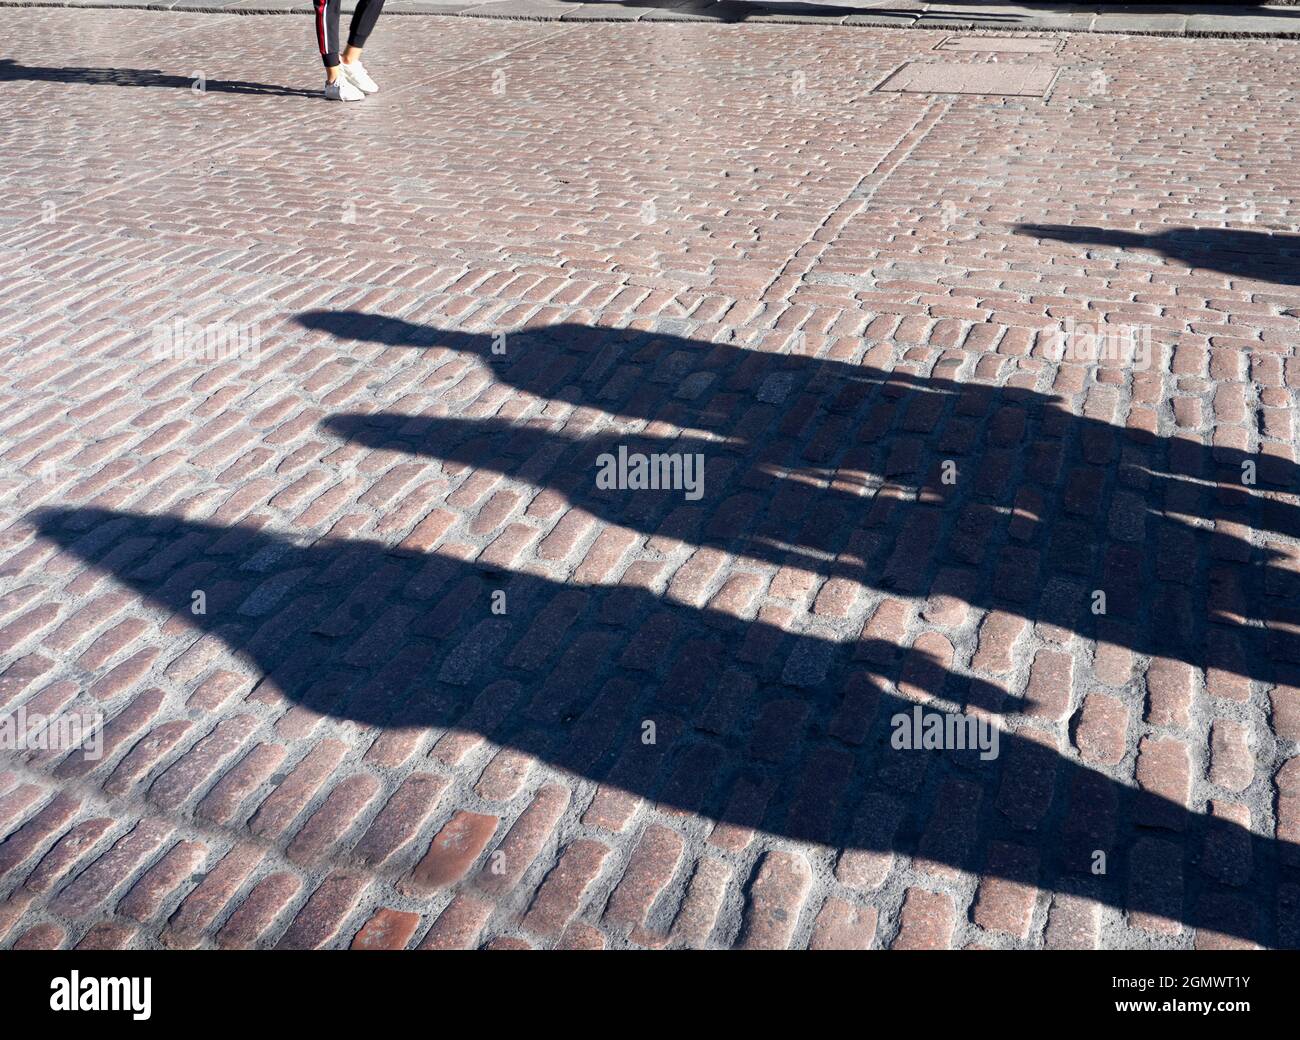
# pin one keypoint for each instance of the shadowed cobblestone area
(302, 408)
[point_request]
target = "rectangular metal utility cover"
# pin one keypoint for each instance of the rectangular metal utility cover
(1016, 79)
(1001, 44)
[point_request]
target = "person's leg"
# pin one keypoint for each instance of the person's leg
(327, 36)
(363, 23)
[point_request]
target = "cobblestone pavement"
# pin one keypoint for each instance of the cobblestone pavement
(302, 411)
(1154, 18)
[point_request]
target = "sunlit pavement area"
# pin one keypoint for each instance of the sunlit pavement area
(982, 408)
(1111, 16)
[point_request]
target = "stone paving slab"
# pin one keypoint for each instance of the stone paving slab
(298, 490)
(1214, 21)
(986, 44)
(607, 12)
(1021, 79)
(1139, 22)
(541, 10)
(1236, 22)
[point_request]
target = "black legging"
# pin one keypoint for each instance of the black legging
(327, 26)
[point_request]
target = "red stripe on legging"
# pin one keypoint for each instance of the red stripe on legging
(320, 24)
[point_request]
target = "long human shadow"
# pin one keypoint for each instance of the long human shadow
(1135, 7)
(973, 12)
(733, 11)
(754, 726)
(839, 469)
(1243, 253)
(12, 71)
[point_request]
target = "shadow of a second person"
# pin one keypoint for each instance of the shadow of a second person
(985, 14)
(837, 469)
(12, 71)
(754, 726)
(1258, 255)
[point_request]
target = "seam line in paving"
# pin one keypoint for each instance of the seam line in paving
(844, 210)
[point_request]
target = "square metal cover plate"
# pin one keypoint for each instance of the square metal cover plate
(1001, 44)
(1018, 79)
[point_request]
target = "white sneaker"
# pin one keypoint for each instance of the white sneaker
(342, 90)
(358, 76)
